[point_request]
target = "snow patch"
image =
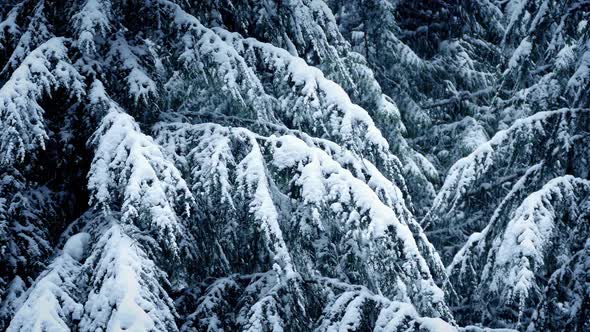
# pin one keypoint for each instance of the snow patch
(76, 246)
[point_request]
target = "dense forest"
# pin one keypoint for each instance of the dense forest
(294, 165)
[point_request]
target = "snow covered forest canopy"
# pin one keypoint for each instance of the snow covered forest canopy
(294, 165)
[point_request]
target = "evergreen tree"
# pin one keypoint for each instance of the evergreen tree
(363, 165)
(228, 183)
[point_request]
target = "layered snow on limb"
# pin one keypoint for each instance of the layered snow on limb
(262, 304)
(203, 52)
(52, 303)
(328, 202)
(207, 152)
(77, 246)
(521, 53)
(36, 33)
(566, 294)
(459, 208)
(22, 127)
(226, 74)
(347, 311)
(9, 28)
(125, 288)
(467, 263)
(212, 306)
(280, 189)
(102, 280)
(252, 182)
(141, 87)
(268, 304)
(27, 212)
(129, 172)
(340, 184)
(429, 90)
(309, 30)
(528, 235)
(511, 259)
(306, 99)
(579, 81)
(316, 95)
(264, 315)
(255, 302)
(92, 21)
(13, 297)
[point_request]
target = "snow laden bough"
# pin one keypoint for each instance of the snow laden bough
(102, 279)
(530, 179)
(269, 298)
(314, 217)
(525, 250)
(477, 184)
(318, 101)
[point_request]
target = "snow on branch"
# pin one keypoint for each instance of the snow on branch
(125, 291)
(22, 126)
(10, 31)
(317, 98)
(347, 311)
(507, 260)
(307, 99)
(92, 21)
(52, 302)
(130, 172)
(514, 147)
(37, 32)
(331, 198)
(141, 87)
(523, 249)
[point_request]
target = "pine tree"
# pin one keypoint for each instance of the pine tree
(538, 162)
(439, 95)
(477, 184)
(230, 175)
(294, 165)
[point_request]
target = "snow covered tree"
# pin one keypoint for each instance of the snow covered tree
(435, 93)
(549, 143)
(26, 212)
(524, 246)
(546, 54)
(302, 187)
(565, 300)
(230, 174)
(276, 165)
(512, 206)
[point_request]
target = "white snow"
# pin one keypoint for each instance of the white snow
(565, 57)
(523, 247)
(92, 21)
(251, 177)
(141, 87)
(125, 294)
(324, 185)
(521, 53)
(130, 163)
(50, 303)
(468, 170)
(346, 311)
(314, 96)
(22, 129)
(582, 25)
(77, 245)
